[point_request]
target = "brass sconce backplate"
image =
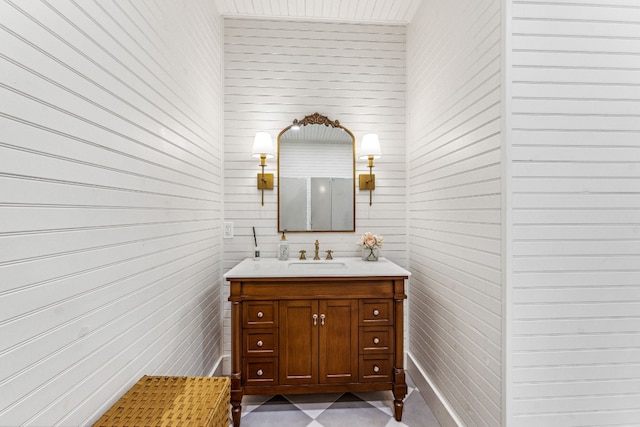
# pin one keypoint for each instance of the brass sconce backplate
(367, 182)
(265, 182)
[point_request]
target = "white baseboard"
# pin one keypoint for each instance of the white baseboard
(438, 404)
(216, 371)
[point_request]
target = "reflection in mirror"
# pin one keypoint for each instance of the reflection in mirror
(316, 176)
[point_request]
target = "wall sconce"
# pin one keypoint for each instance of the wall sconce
(369, 149)
(263, 149)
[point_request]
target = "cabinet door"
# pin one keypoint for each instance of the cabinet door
(338, 339)
(299, 342)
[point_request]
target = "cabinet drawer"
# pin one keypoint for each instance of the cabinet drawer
(376, 368)
(260, 371)
(376, 312)
(260, 342)
(376, 339)
(260, 314)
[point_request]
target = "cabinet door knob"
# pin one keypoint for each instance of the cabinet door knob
(259, 343)
(322, 317)
(315, 319)
(376, 340)
(376, 312)
(259, 373)
(260, 315)
(376, 369)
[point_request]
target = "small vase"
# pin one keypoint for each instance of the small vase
(369, 254)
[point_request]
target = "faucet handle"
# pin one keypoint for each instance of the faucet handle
(329, 252)
(302, 254)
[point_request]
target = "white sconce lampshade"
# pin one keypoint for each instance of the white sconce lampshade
(370, 147)
(263, 146)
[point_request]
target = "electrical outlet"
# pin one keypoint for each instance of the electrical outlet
(227, 230)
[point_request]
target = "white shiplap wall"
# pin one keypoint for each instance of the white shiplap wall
(277, 71)
(454, 204)
(110, 201)
(576, 213)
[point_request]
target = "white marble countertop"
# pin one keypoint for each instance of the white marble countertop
(339, 267)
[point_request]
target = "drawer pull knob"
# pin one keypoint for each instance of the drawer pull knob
(260, 315)
(376, 312)
(259, 343)
(259, 372)
(376, 340)
(376, 369)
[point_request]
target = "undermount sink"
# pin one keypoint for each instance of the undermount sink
(319, 265)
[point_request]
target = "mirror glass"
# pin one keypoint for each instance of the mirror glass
(316, 176)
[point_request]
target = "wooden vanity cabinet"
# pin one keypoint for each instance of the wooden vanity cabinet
(313, 335)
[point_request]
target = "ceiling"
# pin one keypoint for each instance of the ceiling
(381, 11)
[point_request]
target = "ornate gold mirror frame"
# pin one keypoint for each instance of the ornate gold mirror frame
(316, 176)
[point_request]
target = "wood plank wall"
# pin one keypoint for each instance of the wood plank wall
(110, 201)
(280, 70)
(576, 213)
(454, 203)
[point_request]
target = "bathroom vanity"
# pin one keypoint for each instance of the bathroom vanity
(316, 326)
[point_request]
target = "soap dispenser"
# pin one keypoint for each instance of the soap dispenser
(283, 248)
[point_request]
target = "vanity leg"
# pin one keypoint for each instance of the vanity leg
(398, 406)
(236, 411)
(236, 399)
(236, 369)
(399, 381)
(399, 392)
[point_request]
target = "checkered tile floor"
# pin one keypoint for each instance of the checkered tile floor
(371, 409)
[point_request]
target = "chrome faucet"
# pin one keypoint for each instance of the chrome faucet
(316, 256)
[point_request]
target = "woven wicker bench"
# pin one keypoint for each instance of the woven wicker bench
(171, 402)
